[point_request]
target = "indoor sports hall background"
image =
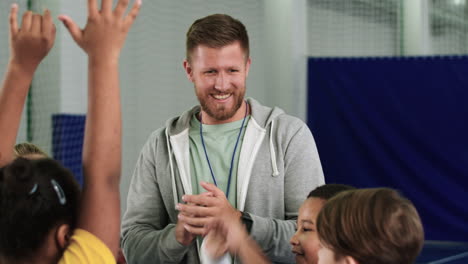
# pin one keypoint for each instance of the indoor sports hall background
(382, 84)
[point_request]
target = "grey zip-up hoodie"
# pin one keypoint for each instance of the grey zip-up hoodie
(278, 166)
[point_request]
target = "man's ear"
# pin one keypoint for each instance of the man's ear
(247, 66)
(63, 235)
(188, 70)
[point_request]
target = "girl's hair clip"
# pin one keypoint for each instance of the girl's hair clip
(33, 189)
(60, 194)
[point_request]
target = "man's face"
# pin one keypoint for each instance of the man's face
(305, 241)
(219, 76)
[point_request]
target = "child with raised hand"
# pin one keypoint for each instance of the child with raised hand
(102, 39)
(46, 221)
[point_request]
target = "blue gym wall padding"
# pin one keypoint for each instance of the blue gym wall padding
(400, 123)
(67, 141)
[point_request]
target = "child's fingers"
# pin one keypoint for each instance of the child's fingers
(120, 8)
(27, 21)
(132, 15)
(14, 19)
(36, 24)
(72, 27)
(47, 23)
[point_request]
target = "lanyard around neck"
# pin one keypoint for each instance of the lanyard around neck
(233, 154)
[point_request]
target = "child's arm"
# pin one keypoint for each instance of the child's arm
(102, 39)
(28, 46)
(229, 234)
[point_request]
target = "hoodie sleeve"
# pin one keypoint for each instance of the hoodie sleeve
(299, 162)
(147, 234)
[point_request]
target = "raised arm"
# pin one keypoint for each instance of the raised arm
(102, 39)
(28, 46)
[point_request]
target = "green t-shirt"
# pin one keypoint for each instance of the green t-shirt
(220, 141)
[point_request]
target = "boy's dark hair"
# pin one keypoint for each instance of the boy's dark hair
(327, 191)
(373, 226)
(216, 31)
(35, 196)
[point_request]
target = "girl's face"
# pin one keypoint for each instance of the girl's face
(305, 241)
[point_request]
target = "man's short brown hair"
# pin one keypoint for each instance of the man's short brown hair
(216, 31)
(372, 226)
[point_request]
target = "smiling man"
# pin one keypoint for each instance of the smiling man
(227, 157)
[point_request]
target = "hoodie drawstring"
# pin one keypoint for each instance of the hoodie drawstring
(272, 152)
(174, 189)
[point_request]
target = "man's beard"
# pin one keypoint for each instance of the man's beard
(220, 112)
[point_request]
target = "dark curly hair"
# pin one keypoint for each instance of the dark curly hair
(35, 196)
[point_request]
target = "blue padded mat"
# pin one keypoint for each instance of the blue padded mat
(443, 252)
